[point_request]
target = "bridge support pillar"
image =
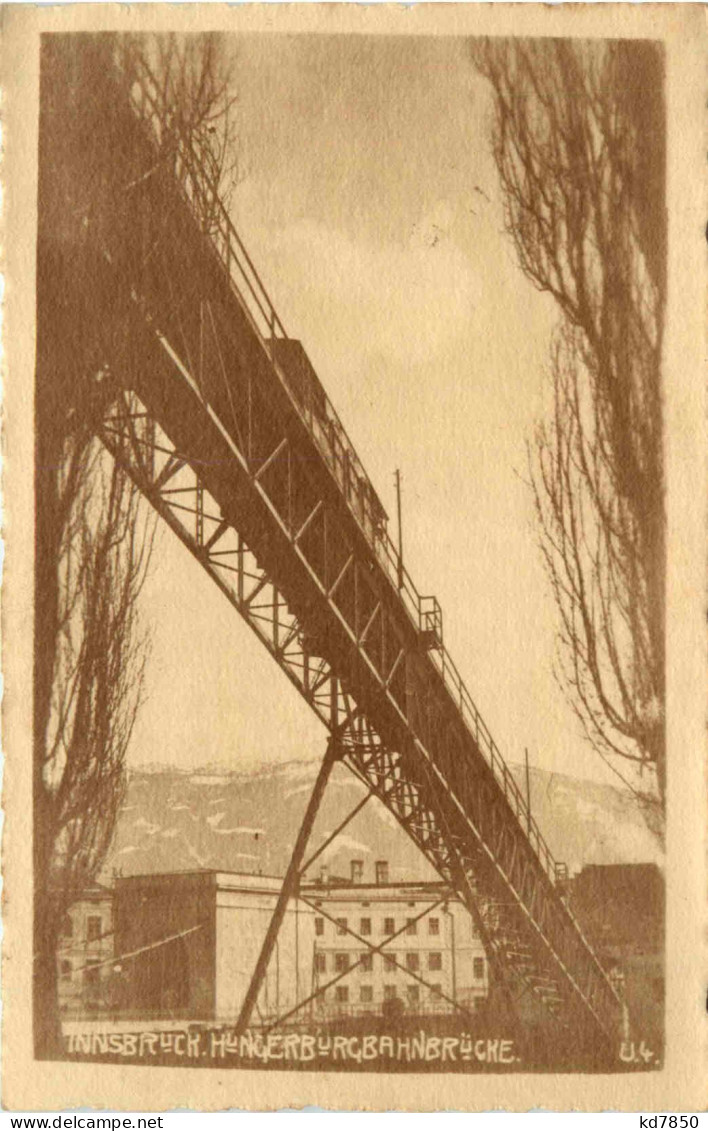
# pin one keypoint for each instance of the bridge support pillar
(290, 886)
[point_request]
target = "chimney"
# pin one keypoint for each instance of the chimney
(382, 871)
(324, 874)
(357, 872)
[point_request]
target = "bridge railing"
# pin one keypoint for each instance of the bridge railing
(318, 412)
(322, 421)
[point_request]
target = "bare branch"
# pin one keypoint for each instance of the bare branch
(91, 648)
(577, 142)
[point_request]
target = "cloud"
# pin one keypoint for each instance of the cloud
(434, 226)
(406, 302)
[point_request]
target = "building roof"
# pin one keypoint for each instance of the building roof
(334, 887)
(404, 888)
(91, 891)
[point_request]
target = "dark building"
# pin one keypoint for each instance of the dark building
(188, 942)
(620, 908)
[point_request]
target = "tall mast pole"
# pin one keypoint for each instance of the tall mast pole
(528, 788)
(397, 478)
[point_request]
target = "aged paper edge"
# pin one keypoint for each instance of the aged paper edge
(681, 1085)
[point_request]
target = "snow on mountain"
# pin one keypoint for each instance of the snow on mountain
(142, 823)
(344, 843)
(169, 822)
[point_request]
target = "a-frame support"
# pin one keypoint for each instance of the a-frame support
(290, 885)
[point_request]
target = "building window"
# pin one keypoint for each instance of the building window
(478, 969)
(67, 927)
(65, 970)
(434, 960)
(413, 993)
(433, 926)
(366, 993)
(389, 993)
(319, 925)
(341, 926)
(93, 928)
(411, 927)
(389, 962)
(91, 977)
(357, 871)
(436, 991)
(341, 963)
(412, 960)
(367, 961)
(382, 871)
(320, 963)
(365, 926)
(342, 993)
(389, 926)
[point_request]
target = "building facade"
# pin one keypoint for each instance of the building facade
(428, 956)
(184, 946)
(187, 943)
(621, 909)
(85, 952)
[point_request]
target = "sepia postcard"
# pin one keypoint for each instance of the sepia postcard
(354, 614)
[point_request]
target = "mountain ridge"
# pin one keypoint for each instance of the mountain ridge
(238, 820)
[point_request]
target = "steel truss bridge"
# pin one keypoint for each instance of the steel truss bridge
(218, 417)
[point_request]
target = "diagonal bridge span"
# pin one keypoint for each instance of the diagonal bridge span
(192, 384)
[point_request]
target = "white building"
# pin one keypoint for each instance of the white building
(85, 948)
(187, 943)
(434, 957)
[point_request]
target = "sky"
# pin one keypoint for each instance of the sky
(368, 200)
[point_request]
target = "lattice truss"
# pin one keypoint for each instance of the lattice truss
(135, 439)
(411, 788)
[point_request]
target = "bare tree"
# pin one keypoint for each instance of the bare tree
(92, 538)
(191, 105)
(577, 138)
(99, 653)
